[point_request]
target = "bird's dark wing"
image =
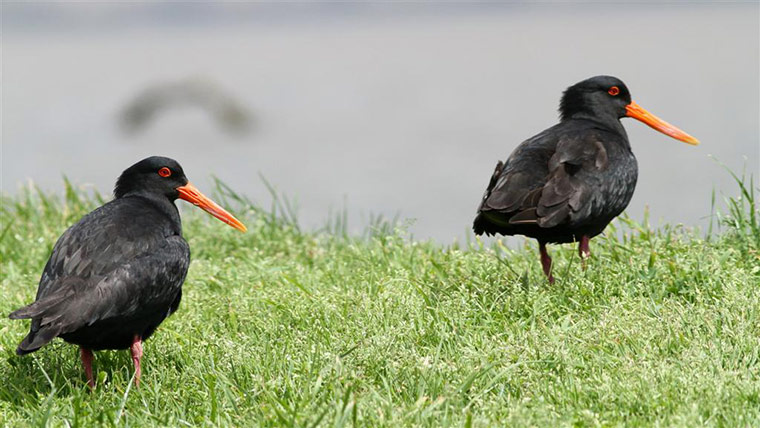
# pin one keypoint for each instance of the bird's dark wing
(103, 240)
(111, 262)
(545, 182)
(574, 174)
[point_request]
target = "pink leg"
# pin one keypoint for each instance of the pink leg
(583, 250)
(137, 351)
(546, 262)
(86, 356)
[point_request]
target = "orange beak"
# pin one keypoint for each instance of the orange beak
(191, 194)
(637, 112)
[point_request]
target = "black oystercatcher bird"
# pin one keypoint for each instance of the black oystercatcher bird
(117, 274)
(568, 182)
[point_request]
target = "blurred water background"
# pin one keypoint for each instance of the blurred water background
(385, 109)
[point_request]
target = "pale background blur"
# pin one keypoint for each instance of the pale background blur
(377, 108)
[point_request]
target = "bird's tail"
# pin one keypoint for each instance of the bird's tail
(481, 225)
(39, 334)
(41, 307)
(37, 339)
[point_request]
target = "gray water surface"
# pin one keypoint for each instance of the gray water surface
(387, 108)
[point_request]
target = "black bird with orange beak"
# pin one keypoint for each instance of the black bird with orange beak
(568, 182)
(117, 274)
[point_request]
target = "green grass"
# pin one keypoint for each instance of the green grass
(283, 327)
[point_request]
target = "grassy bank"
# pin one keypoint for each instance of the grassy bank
(281, 327)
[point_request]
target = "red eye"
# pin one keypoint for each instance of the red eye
(614, 91)
(164, 172)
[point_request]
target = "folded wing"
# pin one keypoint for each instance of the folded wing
(544, 184)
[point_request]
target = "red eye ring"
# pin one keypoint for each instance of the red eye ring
(164, 172)
(614, 91)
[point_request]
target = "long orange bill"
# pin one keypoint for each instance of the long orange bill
(637, 112)
(191, 194)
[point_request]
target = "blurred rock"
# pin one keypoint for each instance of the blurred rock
(152, 102)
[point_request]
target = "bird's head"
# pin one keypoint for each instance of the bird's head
(159, 175)
(608, 98)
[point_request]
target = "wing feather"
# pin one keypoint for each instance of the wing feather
(546, 182)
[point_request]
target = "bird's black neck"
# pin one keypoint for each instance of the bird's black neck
(160, 203)
(606, 122)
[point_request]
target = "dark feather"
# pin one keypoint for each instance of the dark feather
(527, 216)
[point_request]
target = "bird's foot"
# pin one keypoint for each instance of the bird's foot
(137, 351)
(87, 357)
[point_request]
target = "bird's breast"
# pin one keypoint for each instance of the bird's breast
(617, 185)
